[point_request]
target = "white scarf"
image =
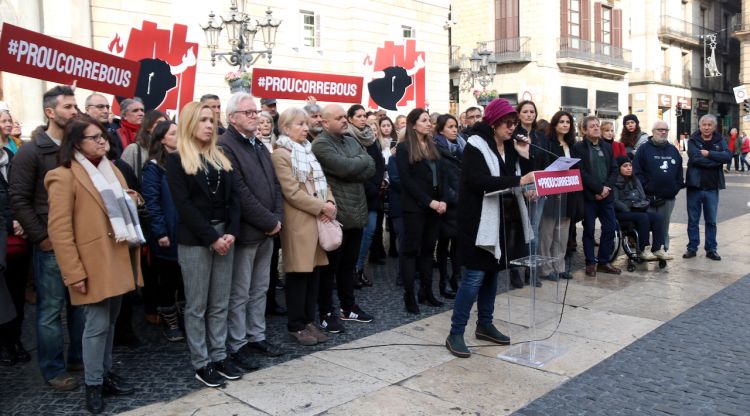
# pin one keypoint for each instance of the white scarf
(304, 165)
(488, 235)
(121, 210)
(4, 160)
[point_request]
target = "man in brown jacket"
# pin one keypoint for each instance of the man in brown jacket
(28, 199)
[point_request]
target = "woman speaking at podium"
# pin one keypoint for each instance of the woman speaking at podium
(492, 163)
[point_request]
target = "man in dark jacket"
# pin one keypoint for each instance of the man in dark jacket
(98, 107)
(261, 200)
(599, 173)
(29, 204)
(707, 154)
(658, 166)
(347, 167)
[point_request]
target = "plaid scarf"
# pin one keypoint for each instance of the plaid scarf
(304, 165)
(121, 210)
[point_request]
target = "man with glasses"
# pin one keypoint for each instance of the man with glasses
(599, 173)
(28, 199)
(261, 202)
(131, 116)
(658, 166)
(98, 107)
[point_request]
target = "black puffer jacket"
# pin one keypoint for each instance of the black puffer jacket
(627, 191)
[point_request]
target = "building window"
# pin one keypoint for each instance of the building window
(309, 29)
(408, 32)
(574, 23)
(606, 30)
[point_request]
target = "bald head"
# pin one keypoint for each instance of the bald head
(334, 119)
(660, 132)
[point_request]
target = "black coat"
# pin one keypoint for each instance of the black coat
(194, 206)
(451, 183)
(592, 186)
(373, 190)
(416, 182)
(476, 180)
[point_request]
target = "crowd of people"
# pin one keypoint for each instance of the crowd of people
(196, 216)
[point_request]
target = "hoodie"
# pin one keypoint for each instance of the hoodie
(659, 169)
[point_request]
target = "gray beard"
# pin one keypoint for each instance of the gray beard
(660, 140)
(315, 130)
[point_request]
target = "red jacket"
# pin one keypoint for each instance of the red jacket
(745, 145)
(618, 149)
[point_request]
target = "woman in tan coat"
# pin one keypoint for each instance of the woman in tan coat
(94, 230)
(306, 196)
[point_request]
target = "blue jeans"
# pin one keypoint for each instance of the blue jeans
(605, 211)
(708, 202)
(52, 298)
(368, 232)
(478, 286)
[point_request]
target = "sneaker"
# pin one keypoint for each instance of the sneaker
(316, 332)
(264, 348)
(209, 376)
(170, 322)
(331, 323)
(304, 337)
(244, 360)
(355, 314)
(646, 254)
(662, 254)
(228, 369)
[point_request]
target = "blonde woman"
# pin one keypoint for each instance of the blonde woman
(306, 197)
(201, 184)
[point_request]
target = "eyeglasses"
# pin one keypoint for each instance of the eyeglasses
(96, 138)
(100, 106)
(509, 122)
(248, 113)
(662, 130)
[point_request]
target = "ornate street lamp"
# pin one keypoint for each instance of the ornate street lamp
(241, 30)
(480, 68)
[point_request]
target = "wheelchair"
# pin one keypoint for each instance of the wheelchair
(626, 237)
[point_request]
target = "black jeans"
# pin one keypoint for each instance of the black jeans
(168, 282)
(301, 295)
(446, 247)
(340, 267)
(420, 234)
(15, 278)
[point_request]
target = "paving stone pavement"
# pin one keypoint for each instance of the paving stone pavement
(696, 364)
(161, 371)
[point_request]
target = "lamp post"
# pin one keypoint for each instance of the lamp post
(241, 30)
(480, 68)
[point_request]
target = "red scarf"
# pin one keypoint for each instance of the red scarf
(95, 161)
(127, 132)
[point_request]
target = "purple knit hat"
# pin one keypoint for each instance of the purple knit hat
(497, 109)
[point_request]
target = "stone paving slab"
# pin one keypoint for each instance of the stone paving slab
(698, 363)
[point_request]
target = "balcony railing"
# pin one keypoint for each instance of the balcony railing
(740, 23)
(658, 74)
(601, 53)
(681, 30)
(510, 50)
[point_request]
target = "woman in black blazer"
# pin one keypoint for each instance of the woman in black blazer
(418, 162)
(201, 183)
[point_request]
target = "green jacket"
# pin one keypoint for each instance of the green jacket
(347, 166)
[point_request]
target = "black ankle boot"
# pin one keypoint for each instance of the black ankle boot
(94, 402)
(410, 303)
(516, 281)
(454, 282)
(425, 294)
(445, 289)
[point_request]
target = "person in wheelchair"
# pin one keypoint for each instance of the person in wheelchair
(631, 205)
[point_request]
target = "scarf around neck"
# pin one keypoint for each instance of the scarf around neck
(128, 132)
(305, 166)
(4, 160)
(121, 210)
(364, 136)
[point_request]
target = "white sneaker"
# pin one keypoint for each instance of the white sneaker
(662, 254)
(647, 255)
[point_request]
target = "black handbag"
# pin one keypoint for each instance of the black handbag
(655, 201)
(639, 206)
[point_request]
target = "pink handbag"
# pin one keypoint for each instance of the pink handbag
(330, 234)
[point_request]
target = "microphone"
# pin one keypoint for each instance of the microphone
(522, 139)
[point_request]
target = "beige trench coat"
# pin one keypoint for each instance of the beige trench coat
(299, 233)
(83, 240)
